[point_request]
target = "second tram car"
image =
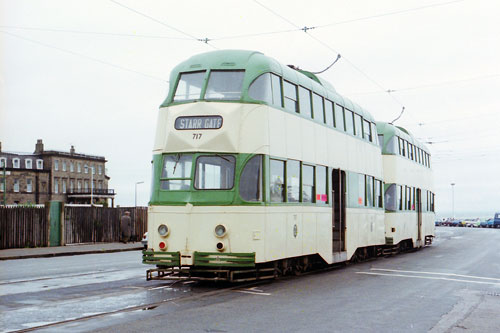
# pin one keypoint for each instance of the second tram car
(260, 169)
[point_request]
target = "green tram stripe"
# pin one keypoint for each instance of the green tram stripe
(224, 259)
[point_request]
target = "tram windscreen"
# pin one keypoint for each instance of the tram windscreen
(215, 172)
(225, 85)
(176, 172)
(189, 86)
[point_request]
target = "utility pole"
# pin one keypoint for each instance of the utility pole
(453, 200)
(135, 205)
(4, 181)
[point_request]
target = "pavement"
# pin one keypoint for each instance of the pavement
(68, 250)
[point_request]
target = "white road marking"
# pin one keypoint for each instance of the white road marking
(436, 273)
(430, 278)
(253, 292)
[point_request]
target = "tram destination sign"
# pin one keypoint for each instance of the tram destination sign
(198, 122)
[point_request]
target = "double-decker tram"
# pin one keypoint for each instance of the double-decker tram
(261, 169)
(409, 197)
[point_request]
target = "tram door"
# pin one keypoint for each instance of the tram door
(338, 210)
(419, 213)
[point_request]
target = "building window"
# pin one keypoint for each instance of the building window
(85, 168)
(16, 185)
(3, 162)
(56, 165)
(86, 185)
(71, 185)
(99, 185)
(92, 167)
(79, 167)
(63, 165)
(71, 167)
(79, 185)
(2, 184)
(39, 164)
(28, 163)
(100, 169)
(15, 163)
(56, 185)
(64, 186)
(29, 185)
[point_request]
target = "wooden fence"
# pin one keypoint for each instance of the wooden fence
(99, 224)
(23, 227)
(29, 227)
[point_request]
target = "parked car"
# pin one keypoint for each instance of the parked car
(490, 223)
(496, 220)
(472, 223)
(144, 240)
(437, 223)
(455, 223)
(483, 223)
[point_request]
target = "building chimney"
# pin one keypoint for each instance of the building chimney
(39, 146)
(72, 150)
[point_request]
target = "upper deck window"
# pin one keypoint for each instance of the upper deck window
(349, 122)
(266, 88)
(339, 117)
(290, 93)
(318, 108)
(358, 125)
(305, 102)
(225, 85)
(329, 113)
(189, 86)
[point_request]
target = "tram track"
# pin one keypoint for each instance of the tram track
(144, 307)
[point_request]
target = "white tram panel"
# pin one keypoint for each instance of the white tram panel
(249, 128)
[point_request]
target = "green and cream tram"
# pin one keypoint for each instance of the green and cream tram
(260, 169)
(409, 196)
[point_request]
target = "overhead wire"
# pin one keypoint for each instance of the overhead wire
(83, 56)
(305, 29)
(397, 12)
(431, 85)
(114, 34)
(204, 40)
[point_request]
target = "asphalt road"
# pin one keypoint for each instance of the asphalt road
(452, 286)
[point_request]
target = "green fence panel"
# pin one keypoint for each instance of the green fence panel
(55, 223)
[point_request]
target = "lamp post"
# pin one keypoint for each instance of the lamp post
(141, 182)
(453, 200)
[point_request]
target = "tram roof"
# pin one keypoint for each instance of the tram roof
(389, 130)
(256, 63)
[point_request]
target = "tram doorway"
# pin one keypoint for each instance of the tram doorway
(419, 214)
(338, 210)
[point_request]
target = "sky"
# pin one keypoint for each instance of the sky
(92, 74)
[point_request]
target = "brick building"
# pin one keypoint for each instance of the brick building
(53, 175)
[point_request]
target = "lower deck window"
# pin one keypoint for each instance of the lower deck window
(176, 172)
(277, 181)
(251, 180)
(215, 172)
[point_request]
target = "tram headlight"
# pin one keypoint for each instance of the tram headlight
(163, 230)
(220, 231)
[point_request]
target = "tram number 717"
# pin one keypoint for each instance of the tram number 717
(197, 136)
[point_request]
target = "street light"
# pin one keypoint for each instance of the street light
(453, 200)
(141, 182)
